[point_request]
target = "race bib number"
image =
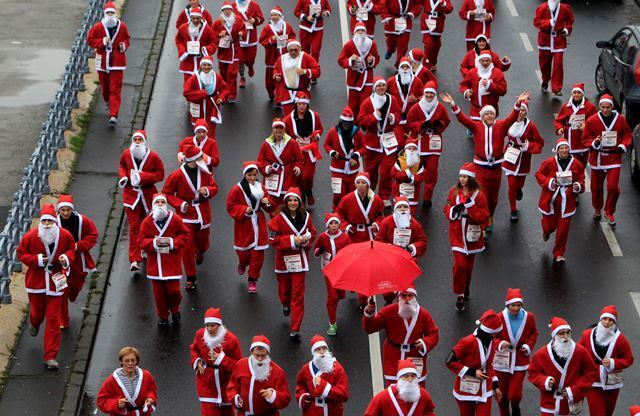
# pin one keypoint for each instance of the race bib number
(480, 15)
(293, 263)
(163, 245)
(225, 42)
(431, 24)
(336, 185)
(564, 178)
(470, 384)
(502, 360)
(512, 154)
(271, 182)
(609, 138)
(389, 140)
(401, 237)
(614, 378)
(325, 259)
(98, 61)
(60, 281)
(577, 121)
(474, 232)
(362, 14)
(407, 190)
(575, 408)
(248, 25)
(435, 142)
(418, 362)
(315, 9)
(193, 47)
(281, 41)
(194, 109)
(304, 141)
(399, 24)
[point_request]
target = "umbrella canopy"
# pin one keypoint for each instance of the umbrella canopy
(371, 268)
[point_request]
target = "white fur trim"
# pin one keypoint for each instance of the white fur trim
(605, 100)
(317, 345)
(429, 89)
(467, 172)
(48, 217)
(293, 42)
(194, 158)
(249, 167)
(486, 109)
(277, 123)
(334, 218)
(212, 321)
(407, 371)
(260, 344)
(380, 81)
(198, 128)
(400, 202)
(609, 315)
(364, 178)
(275, 11)
(558, 329)
(345, 118)
(138, 134)
(578, 89)
(110, 9)
(489, 330)
(513, 300)
(157, 197)
(64, 204)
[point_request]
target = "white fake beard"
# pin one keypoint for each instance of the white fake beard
(193, 30)
(517, 129)
(408, 310)
(553, 4)
(256, 190)
(277, 26)
(428, 105)
(138, 150)
(484, 73)
(409, 391)
(110, 21)
(378, 100)
(413, 158)
(216, 340)
(159, 213)
(604, 335)
(362, 42)
(405, 76)
(323, 362)
(261, 370)
(206, 77)
(203, 167)
(48, 234)
(229, 21)
(562, 347)
(403, 219)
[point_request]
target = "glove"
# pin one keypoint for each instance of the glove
(135, 178)
(468, 201)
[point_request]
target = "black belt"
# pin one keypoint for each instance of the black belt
(296, 89)
(399, 346)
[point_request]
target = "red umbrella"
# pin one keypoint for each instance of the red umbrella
(372, 268)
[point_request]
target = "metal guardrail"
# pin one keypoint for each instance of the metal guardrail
(34, 182)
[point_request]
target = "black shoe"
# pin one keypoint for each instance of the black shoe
(163, 322)
(176, 317)
(460, 303)
(467, 293)
(515, 411)
(545, 237)
(519, 195)
(286, 311)
(514, 216)
(294, 336)
(544, 86)
(199, 259)
(426, 204)
(33, 331)
(314, 81)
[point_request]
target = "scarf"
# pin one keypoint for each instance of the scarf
(347, 136)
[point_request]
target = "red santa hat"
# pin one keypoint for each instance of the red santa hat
(65, 201)
(487, 109)
(404, 61)
(490, 322)
(201, 124)
(430, 86)
(192, 153)
(139, 133)
(524, 105)
(157, 197)
(609, 312)
(411, 143)
(606, 98)
(110, 7)
(481, 36)
(226, 5)
(411, 288)
(416, 55)
(248, 165)
(363, 176)
(277, 122)
(347, 114)
(293, 191)
(195, 11)
(277, 10)
(406, 367)
(293, 42)
(513, 295)
(634, 410)
(558, 324)
(485, 54)
(468, 169)
(560, 141)
(206, 60)
(213, 316)
(260, 341)
(378, 80)
(303, 97)
(359, 26)
(578, 87)
(317, 341)
(332, 216)
(48, 212)
(401, 200)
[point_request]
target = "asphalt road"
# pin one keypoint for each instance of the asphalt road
(591, 278)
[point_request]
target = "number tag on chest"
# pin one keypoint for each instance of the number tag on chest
(193, 47)
(564, 178)
(336, 185)
(407, 190)
(435, 142)
(473, 233)
(609, 138)
(502, 360)
(362, 14)
(614, 378)
(98, 61)
(271, 182)
(293, 263)
(512, 154)
(577, 121)
(431, 24)
(194, 109)
(325, 259)
(224, 42)
(470, 384)
(401, 237)
(399, 24)
(60, 281)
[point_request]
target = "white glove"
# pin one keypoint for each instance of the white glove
(135, 177)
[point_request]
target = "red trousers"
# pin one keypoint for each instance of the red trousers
(252, 258)
(462, 270)
(248, 58)
(552, 68)
(348, 185)
(511, 388)
(135, 217)
(168, 295)
(212, 409)
(489, 180)
(551, 223)
(379, 165)
(41, 308)
(269, 84)
(397, 43)
(516, 183)
(474, 408)
(197, 245)
(311, 43)
(333, 297)
(431, 49)
(75, 283)
(111, 84)
(602, 402)
(431, 175)
(597, 189)
(308, 171)
(287, 108)
(291, 293)
(356, 98)
(229, 73)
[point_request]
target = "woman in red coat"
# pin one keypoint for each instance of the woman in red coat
(247, 202)
(130, 390)
(206, 91)
(291, 233)
(470, 59)
(467, 212)
(478, 14)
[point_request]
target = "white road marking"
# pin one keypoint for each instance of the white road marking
(539, 75)
(526, 41)
(344, 21)
(512, 8)
(635, 297)
(611, 239)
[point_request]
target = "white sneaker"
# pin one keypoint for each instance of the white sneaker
(51, 365)
(134, 266)
(559, 259)
(113, 121)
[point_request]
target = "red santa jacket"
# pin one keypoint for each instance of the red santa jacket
(428, 127)
(372, 7)
(201, 104)
(303, 9)
(376, 128)
(396, 18)
(228, 49)
(328, 397)
(335, 142)
(528, 142)
(209, 147)
(470, 353)
(161, 265)
(250, 10)
(572, 120)
(212, 384)
(407, 179)
(526, 338)
(553, 28)
(417, 239)
(281, 233)
(249, 230)
(244, 386)
(546, 176)
(308, 143)
(86, 239)
(32, 251)
(415, 88)
(112, 390)
(402, 334)
(207, 45)
(361, 76)
(151, 172)
(280, 161)
(465, 228)
(605, 155)
(576, 377)
(185, 15)
(470, 59)
(328, 245)
(433, 16)
(388, 403)
(618, 351)
(496, 89)
(477, 27)
(290, 83)
(425, 75)
(269, 39)
(182, 194)
(109, 57)
(357, 219)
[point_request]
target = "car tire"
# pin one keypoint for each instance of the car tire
(601, 84)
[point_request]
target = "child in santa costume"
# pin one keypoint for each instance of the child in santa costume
(432, 27)
(470, 59)
(252, 17)
(229, 30)
(293, 72)
(201, 140)
(397, 19)
(408, 173)
(194, 40)
(185, 14)
(312, 14)
(274, 38)
(478, 14)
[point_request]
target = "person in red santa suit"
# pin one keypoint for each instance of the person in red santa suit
(247, 203)
(206, 91)
(411, 333)
(512, 350)
(470, 59)
(327, 246)
(359, 57)
(189, 189)
(258, 386)
(432, 27)
(427, 122)
(110, 38)
(563, 371)
(322, 386)
(380, 117)
(252, 16)
(164, 236)
(634, 410)
(274, 38)
(404, 397)
(214, 353)
(467, 212)
(561, 178)
(408, 174)
(402, 230)
(554, 22)
(48, 251)
(194, 40)
(478, 14)
(421, 71)
(471, 360)
(608, 136)
(185, 14)
(397, 19)
(305, 125)
(201, 140)
(571, 120)
(523, 141)
(293, 72)
(611, 352)
(129, 390)
(363, 11)
(85, 235)
(312, 14)
(484, 86)
(361, 210)
(140, 169)
(291, 233)
(229, 30)
(345, 145)
(279, 161)
(406, 89)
